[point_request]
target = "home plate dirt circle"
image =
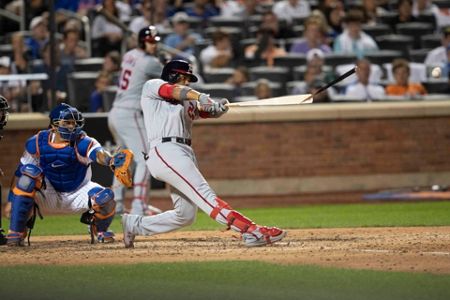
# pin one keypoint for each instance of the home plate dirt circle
(411, 249)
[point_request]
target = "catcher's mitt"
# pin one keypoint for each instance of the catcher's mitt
(120, 164)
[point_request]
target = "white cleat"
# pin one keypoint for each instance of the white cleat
(262, 236)
(128, 237)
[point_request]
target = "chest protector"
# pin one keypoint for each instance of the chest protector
(60, 165)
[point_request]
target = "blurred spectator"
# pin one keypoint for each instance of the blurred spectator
(182, 39)
(102, 81)
(106, 36)
(13, 90)
(440, 56)
(219, 54)
(280, 29)
(353, 40)
(70, 49)
(405, 14)
(242, 9)
(333, 12)
(202, 9)
(112, 62)
(402, 86)
(21, 59)
(153, 12)
(290, 9)
(39, 36)
(61, 73)
(239, 77)
(313, 37)
(124, 8)
(32, 9)
(311, 75)
(265, 48)
(263, 89)
(363, 89)
(371, 10)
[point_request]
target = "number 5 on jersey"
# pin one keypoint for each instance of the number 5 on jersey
(124, 79)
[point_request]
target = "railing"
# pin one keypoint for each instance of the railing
(13, 17)
(25, 77)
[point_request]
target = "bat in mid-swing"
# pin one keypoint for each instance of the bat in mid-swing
(294, 99)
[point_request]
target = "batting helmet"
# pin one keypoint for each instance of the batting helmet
(174, 68)
(148, 34)
(4, 111)
(64, 112)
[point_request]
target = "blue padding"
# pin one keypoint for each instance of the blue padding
(20, 211)
(27, 181)
(103, 195)
(103, 225)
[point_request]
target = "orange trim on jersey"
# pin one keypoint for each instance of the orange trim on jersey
(18, 192)
(38, 153)
(57, 145)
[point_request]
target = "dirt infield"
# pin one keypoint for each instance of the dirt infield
(412, 249)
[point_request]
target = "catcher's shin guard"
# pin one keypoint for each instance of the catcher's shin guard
(100, 214)
(22, 196)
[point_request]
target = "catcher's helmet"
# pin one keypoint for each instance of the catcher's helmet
(148, 34)
(4, 111)
(174, 68)
(64, 112)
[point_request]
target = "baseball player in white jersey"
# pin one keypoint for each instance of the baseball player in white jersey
(125, 119)
(170, 107)
(57, 163)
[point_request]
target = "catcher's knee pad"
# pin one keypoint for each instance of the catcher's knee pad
(102, 200)
(103, 206)
(22, 196)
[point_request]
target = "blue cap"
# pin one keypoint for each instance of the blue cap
(56, 112)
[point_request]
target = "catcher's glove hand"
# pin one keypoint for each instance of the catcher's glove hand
(120, 163)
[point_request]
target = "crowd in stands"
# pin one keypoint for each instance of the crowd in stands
(311, 41)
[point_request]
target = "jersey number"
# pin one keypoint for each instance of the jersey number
(125, 79)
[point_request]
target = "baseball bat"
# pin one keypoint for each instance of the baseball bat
(276, 101)
(2, 236)
(333, 82)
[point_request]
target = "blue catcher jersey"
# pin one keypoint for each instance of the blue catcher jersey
(63, 165)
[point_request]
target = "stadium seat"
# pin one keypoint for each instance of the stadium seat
(88, 64)
(273, 74)
(418, 55)
(334, 59)
(299, 71)
(248, 89)
(430, 41)
(383, 56)
(80, 85)
(6, 50)
(387, 18)
(415, 30)
(217, 90)
(375, 30)
(427, 18)
(437, 86)
(396, 42)
(218, 75)
(219, 21)
(290, 61)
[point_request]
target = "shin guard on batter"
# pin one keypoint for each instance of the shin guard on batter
(102, 208)
(252, 234)
(22, 200)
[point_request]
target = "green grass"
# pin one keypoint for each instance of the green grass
(216, 280)
(314, 216)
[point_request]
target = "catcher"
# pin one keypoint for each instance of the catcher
(56, 163)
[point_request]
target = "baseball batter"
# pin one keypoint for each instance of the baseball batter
(125, 118)
(170, 107)
(56, 162)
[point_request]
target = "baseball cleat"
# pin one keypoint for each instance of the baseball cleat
(128, 237)
(106, 237)
(15, 239)
(262, 236)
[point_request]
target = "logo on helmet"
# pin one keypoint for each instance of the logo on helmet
(174, 68)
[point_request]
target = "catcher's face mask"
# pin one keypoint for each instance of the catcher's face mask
(69, 124)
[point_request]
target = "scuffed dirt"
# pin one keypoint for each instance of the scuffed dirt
(411, 249)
